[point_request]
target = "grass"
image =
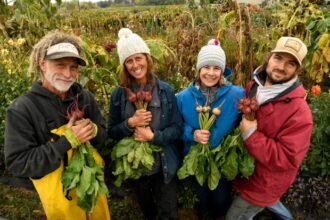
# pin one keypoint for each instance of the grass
(22, 204)
(19, 203)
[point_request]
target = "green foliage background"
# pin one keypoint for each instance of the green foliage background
(174, 33)
(318, 157)
(11, 86)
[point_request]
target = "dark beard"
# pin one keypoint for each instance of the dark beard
(275, 82)
(269, 79)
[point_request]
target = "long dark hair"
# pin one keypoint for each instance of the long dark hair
(126, 79)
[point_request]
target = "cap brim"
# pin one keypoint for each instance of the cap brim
(285, 51)
(55, 56)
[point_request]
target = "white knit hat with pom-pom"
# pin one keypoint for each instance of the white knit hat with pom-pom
(211, 54)
(130, 43)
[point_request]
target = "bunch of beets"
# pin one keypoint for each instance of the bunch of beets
(134, 158)
(248, 106)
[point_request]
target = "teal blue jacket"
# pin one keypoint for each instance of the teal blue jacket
(224, 123)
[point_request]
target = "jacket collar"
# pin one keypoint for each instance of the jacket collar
(201, 99)
(296, 90)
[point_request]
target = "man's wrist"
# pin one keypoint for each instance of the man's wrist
(95, 130)
(71, 137)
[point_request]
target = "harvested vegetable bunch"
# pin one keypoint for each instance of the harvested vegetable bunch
(233, 158)
(248, 106)
(82, 174)
(199, 161)
(134, 158)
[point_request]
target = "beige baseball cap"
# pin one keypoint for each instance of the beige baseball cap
(293, 46)
(62, 50)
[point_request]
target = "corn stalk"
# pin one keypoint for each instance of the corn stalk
(248, 42)
(239, 39)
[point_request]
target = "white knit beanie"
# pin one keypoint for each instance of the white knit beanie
(211, 54)
(130, 43)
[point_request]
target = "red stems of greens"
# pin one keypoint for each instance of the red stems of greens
(141, 99)
(74, 111)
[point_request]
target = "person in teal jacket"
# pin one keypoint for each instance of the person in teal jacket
(211, 88)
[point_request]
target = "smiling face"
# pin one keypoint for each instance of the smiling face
(59, 74)
(281, 68)
(137, 66)
(210, 75)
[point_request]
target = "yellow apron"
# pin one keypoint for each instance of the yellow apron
(56, 205)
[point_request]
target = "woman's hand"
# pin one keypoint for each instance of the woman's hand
(143, 134)
(202, 136)
(140, 118)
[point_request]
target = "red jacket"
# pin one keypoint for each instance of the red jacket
(278, 145)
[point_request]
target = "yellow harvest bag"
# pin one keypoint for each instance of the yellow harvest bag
(57, 206)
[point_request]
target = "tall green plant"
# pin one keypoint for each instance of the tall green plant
(5, 12)
(100, 74)
(32, 19)
(11, 86)
(318, 58)
(318, 157)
